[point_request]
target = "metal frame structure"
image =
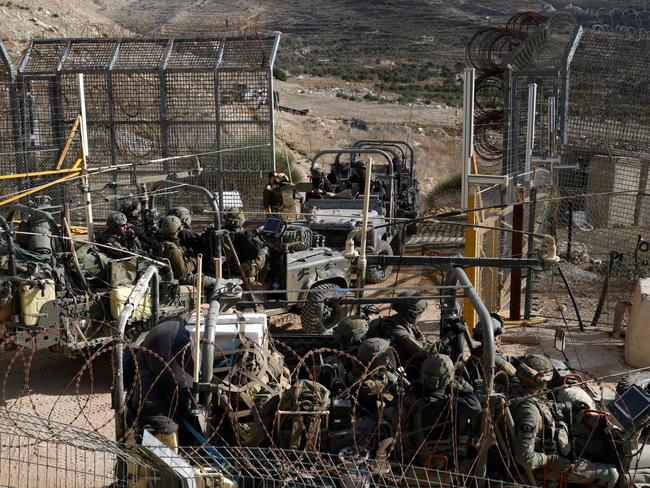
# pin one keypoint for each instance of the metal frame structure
(151, 100)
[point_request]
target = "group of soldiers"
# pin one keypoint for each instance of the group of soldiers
(555, 439)
(329, 186)
(174, 242)
(406, 386)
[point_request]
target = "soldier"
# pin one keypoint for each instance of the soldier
(351, 332)
(132, 209)
(272, 196)
(182, 264)
(119, 235)
(542, 444)
(159, 375)
(320, 185)
(252, 255)
(404, 335)
(358, 176)
(189, 239)
(428, 421)
(377, 380)
(504, 370)
(349, 335)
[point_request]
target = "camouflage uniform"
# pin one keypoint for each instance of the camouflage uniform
(118, 239)
(403, 334)
(542, 442)
(272, 199)
(181, 263)
(503, 368)
(252, 256)
(427, 420)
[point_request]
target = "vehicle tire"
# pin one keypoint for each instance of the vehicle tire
(317, 317)
(641, 379)
(397, 244)
(412, 227)
(303, 235)
(377, 274)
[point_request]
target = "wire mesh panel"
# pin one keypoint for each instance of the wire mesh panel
(36, 452)
(157, 104)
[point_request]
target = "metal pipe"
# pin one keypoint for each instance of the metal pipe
(84, 155)
(489, 350)
(531, 249)
(468, 134)
(530, 128)
(197, 325)
(436, 261)
(207, 348)
(117, 394)
(362, 263)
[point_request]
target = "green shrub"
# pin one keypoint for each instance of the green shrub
(279, 74)
(284, 164)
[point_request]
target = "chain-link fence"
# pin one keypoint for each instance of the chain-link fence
(160, 105)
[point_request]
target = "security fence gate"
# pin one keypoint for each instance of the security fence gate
(157, 103)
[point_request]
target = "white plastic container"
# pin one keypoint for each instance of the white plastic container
(254, 327)
(32, 299)
(637, 336)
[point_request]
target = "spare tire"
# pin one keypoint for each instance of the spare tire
(376, 274)
(317, 316)
(302, 237)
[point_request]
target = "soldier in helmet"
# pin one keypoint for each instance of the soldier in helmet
(542, 443)
(403, 333)
(132, 209)
(358, 176)
(320, 185)
(182, 264)
(119, 235)
(430, 421)
(189, 239)
(252, 255)
(349, 335)
(376, 377)
(503, 365)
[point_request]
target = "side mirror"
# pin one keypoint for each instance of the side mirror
(560, 339)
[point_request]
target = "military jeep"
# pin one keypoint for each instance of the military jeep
(305, 274)
(335, 217)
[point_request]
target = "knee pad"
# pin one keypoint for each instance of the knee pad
(606, 476)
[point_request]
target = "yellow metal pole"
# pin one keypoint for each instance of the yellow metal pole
(471, 250)
(36, 189)
(68, 142)
(37, 174)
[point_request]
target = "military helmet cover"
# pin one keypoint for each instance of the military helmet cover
(411, 307)
(436, 372)
(540, 364)
(170, 226)
(316, 171)
(114, 220)
(183, 213)
(351, 330)
(233, 217)
(497, 324)
(376, 352)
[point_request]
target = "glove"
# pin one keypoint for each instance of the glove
(558, 463)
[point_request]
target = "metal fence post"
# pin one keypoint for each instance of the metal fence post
(468, 134)
(531, 249)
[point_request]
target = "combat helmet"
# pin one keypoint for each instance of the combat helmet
(535, 370)
(497, 327)
(316, 171)
(377, 352)
(170, 226)
(183, 214)
(436, 372)
(411, 307)
(115, 220)
(233, 218)
(132, 209)
(351, 331)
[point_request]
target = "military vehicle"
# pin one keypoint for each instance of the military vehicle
(407, 185)
(306, 274)
(335, 217)
(66, 293)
